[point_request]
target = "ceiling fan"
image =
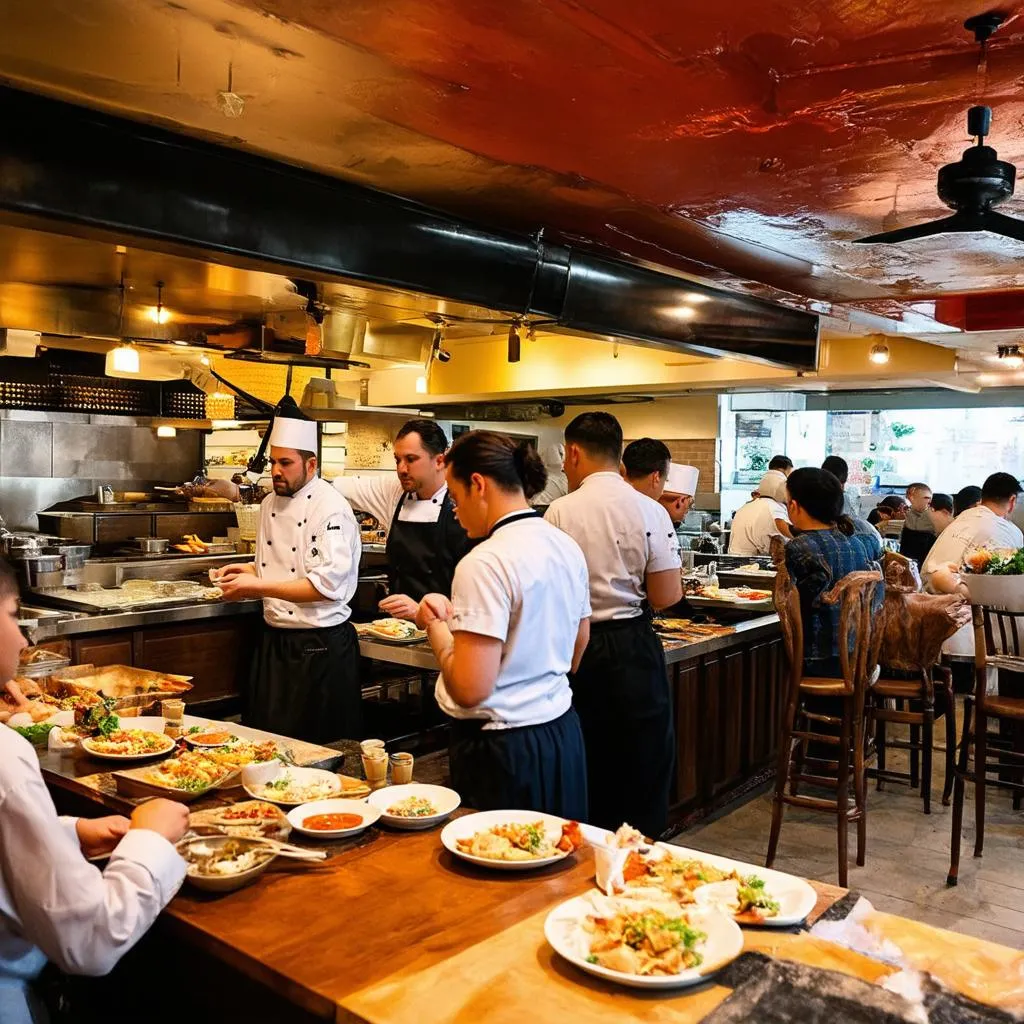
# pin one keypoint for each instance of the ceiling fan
(972, 187)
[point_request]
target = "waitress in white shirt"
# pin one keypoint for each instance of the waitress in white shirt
(304, 681)
(516, 625)
(424, 539)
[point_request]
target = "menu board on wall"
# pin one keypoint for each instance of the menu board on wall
(849, 432)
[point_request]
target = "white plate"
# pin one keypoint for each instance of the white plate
(255, 776)
(795, 897)
(415, 638)
(165, 749)
(369, 814)
(563, 928)
(444, 800)
(192, 741)
(733, 602)
(466, 827)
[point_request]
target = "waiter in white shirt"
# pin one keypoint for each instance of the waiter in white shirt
(424, 539)
(54, 904)
(756, 523)
(516, 625)
(304, 680)
(621, 687)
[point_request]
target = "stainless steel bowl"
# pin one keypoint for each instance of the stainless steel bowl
(152, 545)
(74, 554)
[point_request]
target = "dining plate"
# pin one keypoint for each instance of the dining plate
(795, 896)
(468, 826)
(444, 801)
(166, 746)
(197, 740)
(290, 783)
(367, 813)
(413, 638)
(565, 930)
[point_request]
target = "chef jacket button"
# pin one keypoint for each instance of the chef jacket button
(290, 612)
(293, 569)
(648, 533)
(273, 515)
(293, 549)
(310, 496)
(434, 500)
(269, 542)
(263, 565)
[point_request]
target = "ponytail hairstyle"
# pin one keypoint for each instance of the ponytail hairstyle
(820, 494)
(511, 465)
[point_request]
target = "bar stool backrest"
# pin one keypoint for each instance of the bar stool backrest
(998, 643)
(858, 647)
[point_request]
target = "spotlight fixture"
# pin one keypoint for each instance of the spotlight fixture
(514, 342)
(1011, 356)
(441, 354)
(879, 353)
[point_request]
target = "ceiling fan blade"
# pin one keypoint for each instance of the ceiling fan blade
(1000, 224)
(932, 227)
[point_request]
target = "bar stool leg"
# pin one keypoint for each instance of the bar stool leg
(786, 751)
(980, 756)
(860, 785)
(950, 714)
(880, 750)
(915, 755)
(927, 738)
(958, 797)
(843, 792)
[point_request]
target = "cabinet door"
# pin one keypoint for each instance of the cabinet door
(104, 649)
(216, 654)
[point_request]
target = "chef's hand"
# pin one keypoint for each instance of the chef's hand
(399, 606)
(232, 570)
(434, 608)
(100, 835)
(165, 817)
(242, 586)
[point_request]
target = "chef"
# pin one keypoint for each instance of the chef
(620, 689)
(645, 466)
(304, 680)
(680, 489)
(424, 539)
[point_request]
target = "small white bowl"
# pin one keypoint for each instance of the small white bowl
(445, 800)
(369, 814)
(225, 883)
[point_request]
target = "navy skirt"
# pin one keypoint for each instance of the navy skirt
(622, 695)
(532, 768)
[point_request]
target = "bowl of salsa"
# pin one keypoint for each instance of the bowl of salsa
(333, 819)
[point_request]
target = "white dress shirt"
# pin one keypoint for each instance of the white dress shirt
(753, 527)
(527, 586)
(312, 535)
(379, 495)
(974, 528)
(54, 904)
(624, 536)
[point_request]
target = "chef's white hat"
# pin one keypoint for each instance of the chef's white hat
(682, 479)
(291, 429)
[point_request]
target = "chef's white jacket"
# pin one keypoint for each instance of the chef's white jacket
(54, 904)
(527, 586)
(753, 527)
(624, 535)
(312, 535)
(379, 495)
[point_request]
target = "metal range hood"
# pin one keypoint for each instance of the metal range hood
(67, 168)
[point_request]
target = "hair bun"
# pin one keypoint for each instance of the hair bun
(529, 468)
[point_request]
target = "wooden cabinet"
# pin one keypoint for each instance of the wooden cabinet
(217, 653)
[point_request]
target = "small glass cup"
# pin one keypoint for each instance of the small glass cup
(401, 768)
(173, 710)
(367, 746)
(375, 767)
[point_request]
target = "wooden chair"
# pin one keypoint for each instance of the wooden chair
(802, 727)
(997, 645)
(912, 628)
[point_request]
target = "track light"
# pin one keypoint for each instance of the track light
(1011, 356)
(441, 354)
(879, 353)
(515, 337)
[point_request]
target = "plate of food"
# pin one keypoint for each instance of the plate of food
(289, 785)
(333, 819)
(212, 737)
(654, 945)
(744, 596)
(392, 631)
(415, 805)
(128, 745)
(247, 819)
(511, 840)
(225, 863)
(747, 893)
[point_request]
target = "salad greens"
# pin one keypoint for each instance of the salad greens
(37, 734)
(101, 717)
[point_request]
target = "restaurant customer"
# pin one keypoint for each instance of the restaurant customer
(940, 512)
(839, 468)
(304, 679)
(967, 497)
(54, 904)
(621, 686)
(918, 534)
(516, 625)
(891, 507)
(424, 539)
(645, 465)
(826, 548)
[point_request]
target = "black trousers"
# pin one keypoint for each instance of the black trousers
(622, 696)
(533, 768)
(304, 683)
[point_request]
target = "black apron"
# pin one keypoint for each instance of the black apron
(621, 693)
(422, 556)
(531, 767)
(304, 683)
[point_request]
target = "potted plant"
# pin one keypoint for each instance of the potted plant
(995, 578)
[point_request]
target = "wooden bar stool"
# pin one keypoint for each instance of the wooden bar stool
(997, 645)
(912, 689)
(802, 727)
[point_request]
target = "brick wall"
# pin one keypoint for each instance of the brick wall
(699, 452)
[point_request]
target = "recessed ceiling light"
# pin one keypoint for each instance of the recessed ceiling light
(879, 353)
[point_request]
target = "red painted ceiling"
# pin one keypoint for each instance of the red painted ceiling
(756, 138)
